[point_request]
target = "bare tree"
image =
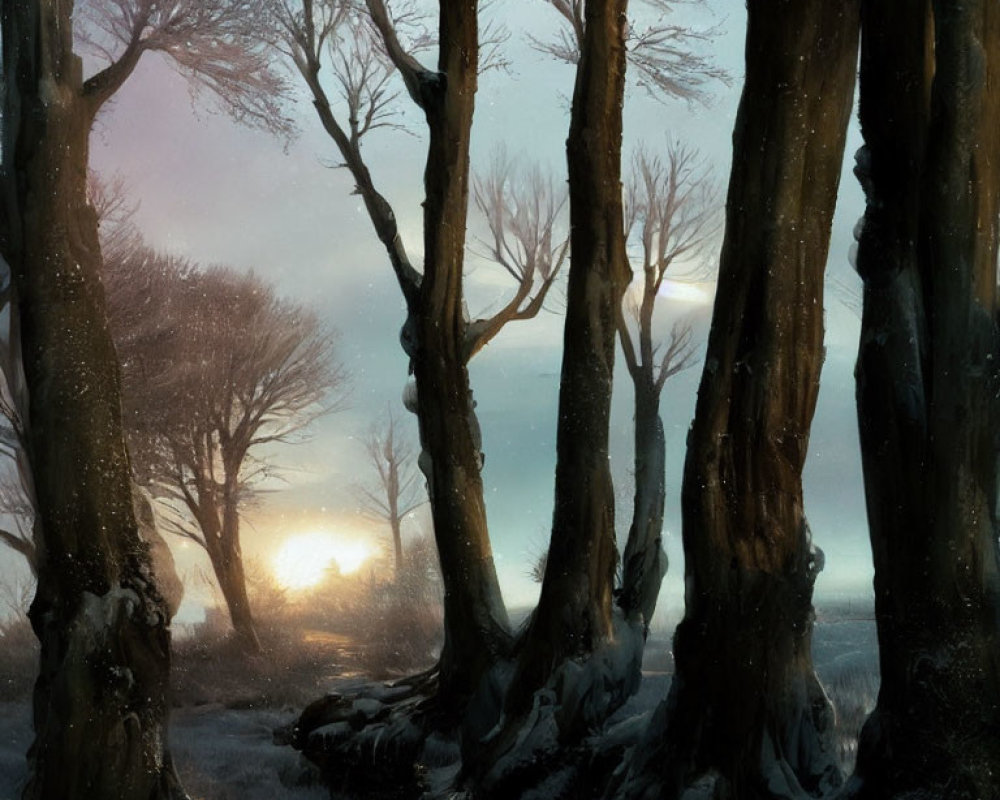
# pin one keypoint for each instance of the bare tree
(745, 715)
(574, 614)
(928, 407)
(58, 354)
(398, 491)
(661, 56)
(332, 46)
(670, 209)
(204, 391)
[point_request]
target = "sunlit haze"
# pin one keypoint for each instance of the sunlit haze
(303, 560)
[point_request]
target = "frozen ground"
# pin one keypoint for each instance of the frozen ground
(228, 754)
(220, 753)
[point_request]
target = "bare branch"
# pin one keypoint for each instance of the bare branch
(672, 218)
(680, 353)
(522, 209)
(663, 56)
(421, 84)
(398, 490)
(308, 31)
(201, 389)
(216, 44)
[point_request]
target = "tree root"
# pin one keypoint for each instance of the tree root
(384, 741)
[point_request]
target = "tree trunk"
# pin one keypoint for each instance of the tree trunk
(645, 561)
(397, 544)
(574, 611)
(220, 526)
(100, 704)
(745, 711)
(475, 619)
(572, 669)
(927, 395)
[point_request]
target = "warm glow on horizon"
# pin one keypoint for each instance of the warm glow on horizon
(683, 292)
(303, 559)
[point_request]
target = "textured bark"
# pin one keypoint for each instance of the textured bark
(927, 395)
(576, 663)
(745, 712)
(574, 611)
(100, 699)
(219, 521)
(475, 619)
(645, 562)
(436, 334)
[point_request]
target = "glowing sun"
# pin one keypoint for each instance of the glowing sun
(303, 559)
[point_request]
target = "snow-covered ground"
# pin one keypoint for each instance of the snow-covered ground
(229, 754)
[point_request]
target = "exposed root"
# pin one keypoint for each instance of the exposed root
(383, 741)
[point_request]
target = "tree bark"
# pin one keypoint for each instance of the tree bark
(475, 618)
(927, 378)
(100, 704)
(745, 711)
(219, 521)
(574, 611)
(645, 562)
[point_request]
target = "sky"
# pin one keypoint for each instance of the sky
(217, 193)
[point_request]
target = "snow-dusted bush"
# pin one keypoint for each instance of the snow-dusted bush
(400, 620)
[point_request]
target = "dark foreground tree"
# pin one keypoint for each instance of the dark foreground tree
(100, 705)
(100, 701)
(573, 649)
(356, 54)
(574, 611)
(928, 395)
(746, 717)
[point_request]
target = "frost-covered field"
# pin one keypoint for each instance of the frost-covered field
(228, 754)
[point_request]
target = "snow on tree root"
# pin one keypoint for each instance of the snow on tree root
(382, 741)
(552, 751)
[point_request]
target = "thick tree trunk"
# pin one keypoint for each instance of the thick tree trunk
(927, 395)
(100, 702)
(575, 665)
(220, 525)
(645, 562)
(475, 619)
(745, 711)
(574, 611)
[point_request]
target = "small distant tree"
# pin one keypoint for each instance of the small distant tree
(215, 367)
(670, 216)
(398, 489)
